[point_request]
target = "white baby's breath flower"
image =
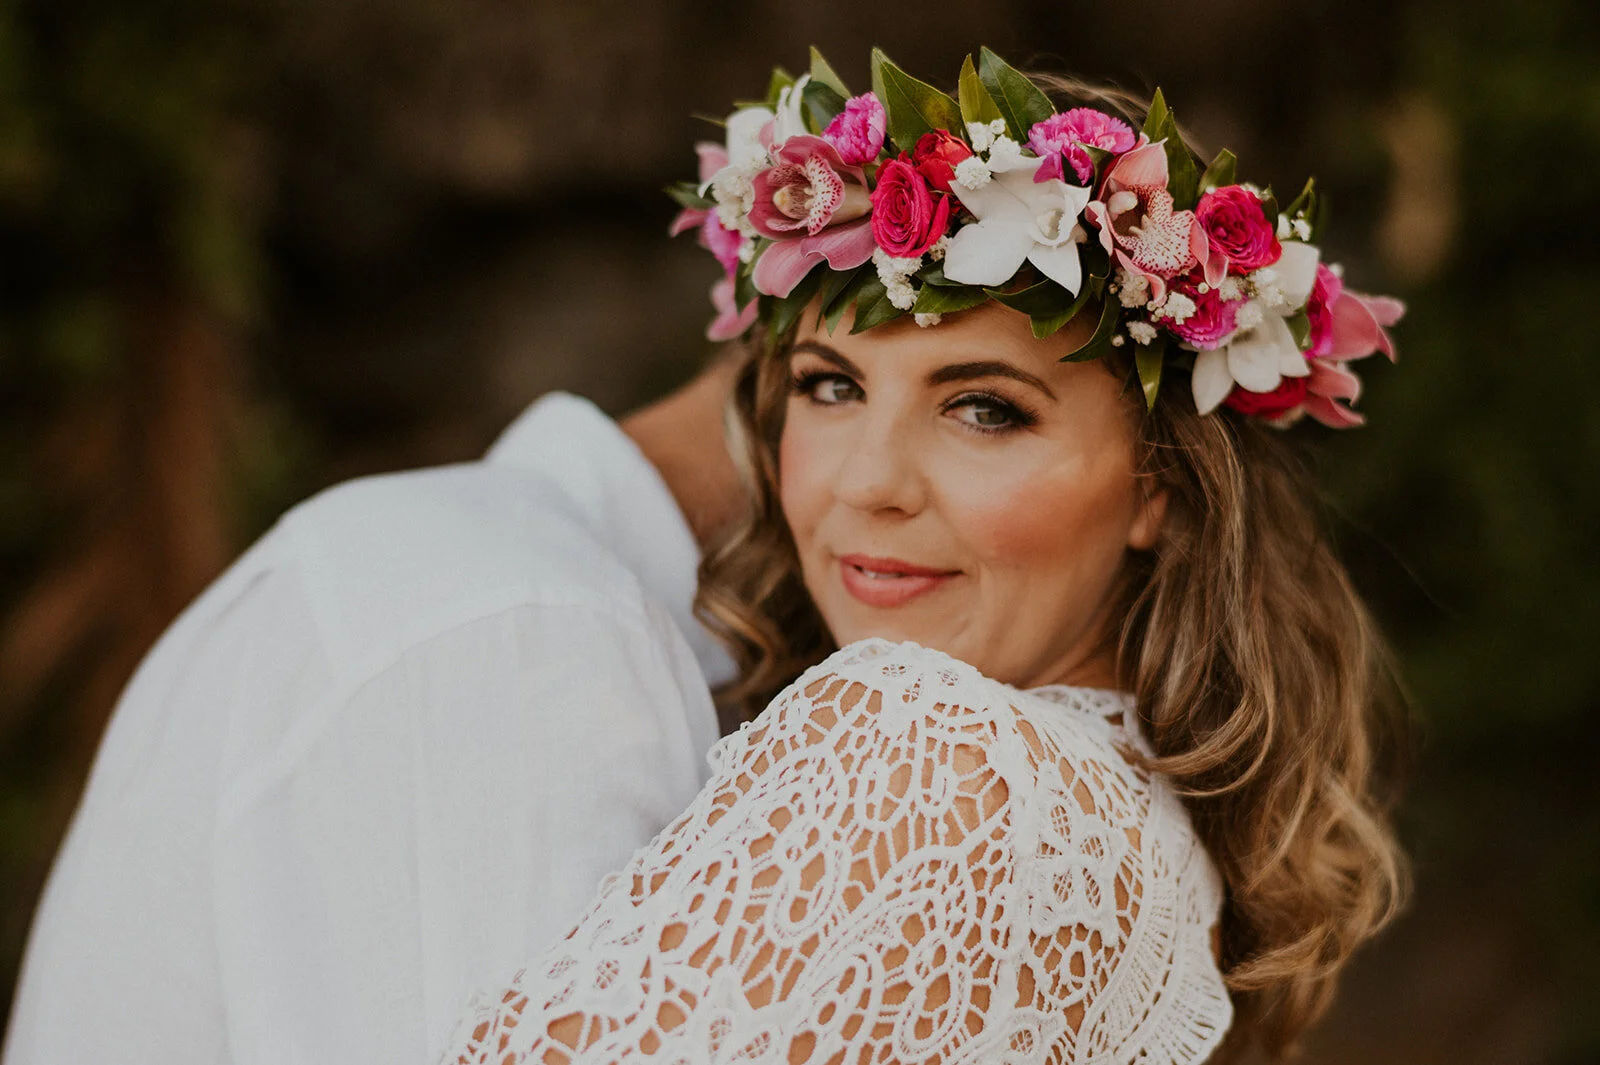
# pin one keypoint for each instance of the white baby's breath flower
(980, 136)
(893, 270)
(972, 173)
(926, 320)
(1178, 307)
(1132, 289)
(1231, 288)
(940, 246)
(901, 294)
(1248, 317)
(747, 250)
(1302, 228)
(1143, 332)
(1004, 154)
(1118, 340)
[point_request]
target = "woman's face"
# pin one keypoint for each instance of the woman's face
(961, 487)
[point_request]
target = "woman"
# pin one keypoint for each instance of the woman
(1089, 778)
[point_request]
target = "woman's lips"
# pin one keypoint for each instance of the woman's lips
(888, 582)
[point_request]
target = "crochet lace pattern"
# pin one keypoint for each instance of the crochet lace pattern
(901, 860)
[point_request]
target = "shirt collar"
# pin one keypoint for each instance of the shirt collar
(621, 496)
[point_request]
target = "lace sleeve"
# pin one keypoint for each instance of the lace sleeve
(859, 881)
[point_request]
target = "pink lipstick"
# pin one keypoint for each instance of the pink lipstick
(889, 582)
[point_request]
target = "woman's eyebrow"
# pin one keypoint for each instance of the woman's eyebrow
(827, 354)
(970, 371)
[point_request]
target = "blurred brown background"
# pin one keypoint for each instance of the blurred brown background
(249, 248)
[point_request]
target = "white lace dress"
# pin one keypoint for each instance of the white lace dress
(900, 861)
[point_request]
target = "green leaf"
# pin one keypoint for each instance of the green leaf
(1148, 360)
(1020, 101)
(687, 194)
(947, 299)
(913, 107)
(976, 103)
(744, 286)
(1299, 325)
(1221, 172)
(1306, 201)
(786, 311)
(823, 74)
(1047, 324)
(781, 79)
(838, 290)
(1319, 218)
(873, 306)
(1183, 179)
(822, 103)
(1042, 300)
(1100, 343)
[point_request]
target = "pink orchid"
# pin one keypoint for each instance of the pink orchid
(730, 321)
(1137, 223)
(813, 205)
(1069, 133)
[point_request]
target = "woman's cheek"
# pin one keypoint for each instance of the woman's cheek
(798, 487)
(1040, 523)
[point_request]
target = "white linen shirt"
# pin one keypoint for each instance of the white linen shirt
(385, 757)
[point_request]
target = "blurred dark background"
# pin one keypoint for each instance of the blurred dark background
(249, 248)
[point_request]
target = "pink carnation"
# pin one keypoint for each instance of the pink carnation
(1066, 135)
(1213, 321)
(1239, 235)
(857, 131)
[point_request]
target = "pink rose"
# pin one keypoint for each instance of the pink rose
(857, 131)
(1213, 321)
(1290, 394)
(1326, 290)
(936, 155)
(1239, 232)
(1067, 134)
(907, 217)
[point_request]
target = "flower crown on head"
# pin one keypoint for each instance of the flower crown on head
(917, 203)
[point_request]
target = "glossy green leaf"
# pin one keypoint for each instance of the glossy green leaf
(823, 74)
(1221, 172)
(1041, 300)
(1021, 102)
(687, 194)
(839, 288)
(1100, 343)
(872, 305)
(1319, 218)
(1299, 325)
(1306, 201)
(1183, 178)
(913, 107)
(786, 312)
(822, 104)
(976, 103)
(781, 79)
(947, 299)
(744, 286)
(1148, 360)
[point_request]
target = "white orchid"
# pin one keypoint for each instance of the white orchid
(1018, 220)
(790, 120)
(1262, 352)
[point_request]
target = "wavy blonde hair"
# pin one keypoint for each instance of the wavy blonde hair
(1260, 677)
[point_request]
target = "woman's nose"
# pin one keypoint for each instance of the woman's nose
(881, 472)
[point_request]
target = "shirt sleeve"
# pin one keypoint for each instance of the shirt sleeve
(860, 880)
(121, 962)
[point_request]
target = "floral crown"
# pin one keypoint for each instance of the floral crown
(920, 204)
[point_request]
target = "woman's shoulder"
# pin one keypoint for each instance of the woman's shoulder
(906, 674)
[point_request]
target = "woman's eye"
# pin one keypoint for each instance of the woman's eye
(983, 412)
(828, 388)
